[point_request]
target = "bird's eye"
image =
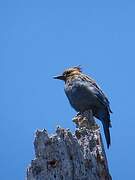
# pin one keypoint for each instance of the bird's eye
(66, 73)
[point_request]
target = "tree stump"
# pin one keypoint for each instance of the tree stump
(67, 156)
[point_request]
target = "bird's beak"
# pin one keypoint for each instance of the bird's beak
(59, 77)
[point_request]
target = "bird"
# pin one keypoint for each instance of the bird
(85, 94)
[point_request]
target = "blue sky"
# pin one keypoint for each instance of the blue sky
(39, 39)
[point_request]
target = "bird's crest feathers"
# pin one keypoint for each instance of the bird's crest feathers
(72, 71)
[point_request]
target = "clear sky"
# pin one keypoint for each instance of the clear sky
(39, 39)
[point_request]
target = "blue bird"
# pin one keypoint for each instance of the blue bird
(84, 94)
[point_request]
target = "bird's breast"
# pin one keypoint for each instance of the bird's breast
(79, 96)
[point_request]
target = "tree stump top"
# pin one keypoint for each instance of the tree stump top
(68, 156)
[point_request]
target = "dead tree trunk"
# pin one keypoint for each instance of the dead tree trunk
(67, 156)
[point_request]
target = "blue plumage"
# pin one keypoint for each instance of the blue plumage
(83, 94)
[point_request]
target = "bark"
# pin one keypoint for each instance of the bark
(67, 156)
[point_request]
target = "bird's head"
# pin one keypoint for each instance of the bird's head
(69, 73)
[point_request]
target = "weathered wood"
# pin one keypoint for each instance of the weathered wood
(67, 156)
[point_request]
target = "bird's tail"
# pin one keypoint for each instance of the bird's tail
(106, 126)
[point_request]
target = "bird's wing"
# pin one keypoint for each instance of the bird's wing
(96, 90)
